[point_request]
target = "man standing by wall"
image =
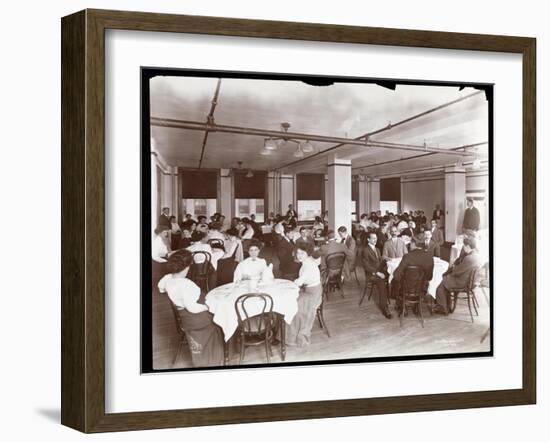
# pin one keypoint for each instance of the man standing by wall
(471, 216)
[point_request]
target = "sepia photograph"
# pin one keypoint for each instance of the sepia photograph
(301, 220)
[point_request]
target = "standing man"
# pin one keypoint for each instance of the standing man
(437, 235)
(457, 276)
(438, 213)
(471, 216)
(351, 245)
(164, 219)
(374, 270)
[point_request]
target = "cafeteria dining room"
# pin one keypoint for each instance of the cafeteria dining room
(304, 219)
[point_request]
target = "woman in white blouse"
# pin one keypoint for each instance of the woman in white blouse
(311, 293)
(252, 267)
(204, 337)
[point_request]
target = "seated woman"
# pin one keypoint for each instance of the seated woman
(309, 299)
(176, 233)
(233, 255)
(318, 224)
(160, 252)
(204, 337)
(252, 267)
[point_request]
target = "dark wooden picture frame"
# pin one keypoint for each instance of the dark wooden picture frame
(83, 220)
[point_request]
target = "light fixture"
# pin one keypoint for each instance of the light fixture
(298, 152)
(272, 144)
(306, 147)
(249, 174)
(476, 164)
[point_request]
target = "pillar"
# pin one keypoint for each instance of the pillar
(363, 203)
(373, 187)
(339, 193)
(226, 203)
(455, 193)
(273, 185)
(287, 193)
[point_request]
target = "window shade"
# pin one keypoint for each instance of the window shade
(199, 184)
(253, 187)
(310, 186)
(390, 189)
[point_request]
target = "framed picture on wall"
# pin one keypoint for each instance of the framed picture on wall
(322, 212)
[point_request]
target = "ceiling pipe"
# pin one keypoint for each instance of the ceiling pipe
(425, 169)
(210, 119)
(213, 127)
(388, 127)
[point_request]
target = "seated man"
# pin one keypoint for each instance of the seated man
(374, 267)
(332, 246)
(304, 240)
(416, 257)
(284, 248)
(430, 245)
(456, 278)
(394, 247)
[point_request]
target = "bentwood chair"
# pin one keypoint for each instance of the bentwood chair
(257, 323)
(469, 293)
(334, 268)
(201, 269)
(413, 290)
(216, 243)
(320, 310)
(182, 342)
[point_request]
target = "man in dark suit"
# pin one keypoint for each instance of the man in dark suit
(437, 213)
(164, 219)
(437, 234)
(332, 246)
(382, 235)
(429, 244)
(458, 275)
(416, 257)
(350, 244)
(471, 216)
(288, 267)
(374, 267)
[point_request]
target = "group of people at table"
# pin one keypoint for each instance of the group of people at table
(234, 254)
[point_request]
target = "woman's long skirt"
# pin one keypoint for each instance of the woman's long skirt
(299, 331)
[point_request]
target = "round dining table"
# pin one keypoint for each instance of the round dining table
(440, 267)
(221, 301)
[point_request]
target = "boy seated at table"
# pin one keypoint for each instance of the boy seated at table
(252, 267)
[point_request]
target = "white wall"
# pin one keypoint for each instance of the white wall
(423, 193)
(31, 340)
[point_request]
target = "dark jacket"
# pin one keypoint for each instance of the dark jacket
(417, 257)
(471, 219)
(432, 248)
(372, 261)
(284, 250)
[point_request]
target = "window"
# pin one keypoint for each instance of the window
(310, 191)
(244, 207)
(390, 206)
(309, 209)
(198, 206)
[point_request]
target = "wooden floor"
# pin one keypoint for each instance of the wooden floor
(356, 332)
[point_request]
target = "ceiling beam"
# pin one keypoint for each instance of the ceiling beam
(213, 127)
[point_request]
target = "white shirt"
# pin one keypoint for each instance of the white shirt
(159, 250)
(250, 268)
(203, 247)
(183, 292)
(248, 233)
(215, 234)
(309, 273)
(233, 246)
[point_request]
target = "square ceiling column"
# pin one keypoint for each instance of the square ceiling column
(339, 193)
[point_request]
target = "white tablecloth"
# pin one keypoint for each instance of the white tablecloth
(221, 301)
(440, 267)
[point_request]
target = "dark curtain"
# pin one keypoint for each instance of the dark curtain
(310, 186)
(199, 184)
(247, 188)
(390, 189)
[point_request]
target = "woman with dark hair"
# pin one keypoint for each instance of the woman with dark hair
(204, 337)
(311, 292)
(252, 267)
(233, 255)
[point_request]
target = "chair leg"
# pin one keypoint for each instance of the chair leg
(365, 291)
(476, 305)
(267, 349)
(468, 297)
(420, 310)
(322, 323)
(241, 357)
(453, 300)
(356, 277)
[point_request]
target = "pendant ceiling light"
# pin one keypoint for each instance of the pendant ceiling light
(272, 144)
(298, 152)
(249, 174)
(306, 147)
